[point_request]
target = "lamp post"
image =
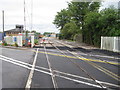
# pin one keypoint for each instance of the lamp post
(26, 42)
(3, 26)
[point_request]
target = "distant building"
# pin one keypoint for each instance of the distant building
(15, 32)
(53, 35)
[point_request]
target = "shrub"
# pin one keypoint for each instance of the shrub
(36, 41)
(4, 44)
(16, 45)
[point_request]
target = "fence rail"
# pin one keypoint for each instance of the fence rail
(110, 43)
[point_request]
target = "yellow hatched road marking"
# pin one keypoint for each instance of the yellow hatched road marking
(113, 75)
(79, 58)
(109, 73)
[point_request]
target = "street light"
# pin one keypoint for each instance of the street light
(3, 26)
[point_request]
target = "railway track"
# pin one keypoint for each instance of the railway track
(78, 66)
(54, 73)
(64, 75)
(116, 77)
(51, 70)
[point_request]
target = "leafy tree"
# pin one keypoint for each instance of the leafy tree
(85, 18)
(92, 28)
(100, 24)
(69, 31)
(33, 31)
(61, 18)
(47, 33)
(79, 9)
(109, 22)
(75, 12)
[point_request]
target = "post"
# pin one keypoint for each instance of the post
(3, 25)
(26, 42)
(101, 42)
(32, 40)
(114, 44)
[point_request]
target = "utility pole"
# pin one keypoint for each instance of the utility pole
(31, 14)
(24, 16)
(3, 26)
(26, 42)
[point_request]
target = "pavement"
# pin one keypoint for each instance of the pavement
(59, 65)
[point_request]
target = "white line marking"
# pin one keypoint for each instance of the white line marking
(75, 54)
(88, 54)
(21, 62)
(49, 65)
(76, 76)
(15, 63)
(24, 66)
(79, 81)
(29, 81)
(15, 60)
(58, 72)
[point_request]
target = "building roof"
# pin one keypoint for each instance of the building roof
(18, 28)
(15, 30)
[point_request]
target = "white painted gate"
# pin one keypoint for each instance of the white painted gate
(110, 43)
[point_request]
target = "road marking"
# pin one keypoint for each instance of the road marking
(88, 79)
(114, 63)
(109, 73)
(93, 60)
(25, 66)
(78, 81)
(51, 71)
(15, 60)
(93, 55)
(78, 56)
(21, 62)
(29, 81)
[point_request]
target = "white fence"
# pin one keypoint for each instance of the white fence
(11, 40)
(14, 39)
(110, 43)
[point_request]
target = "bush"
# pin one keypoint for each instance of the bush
(5, 44)
(16, 45)
(36, 41)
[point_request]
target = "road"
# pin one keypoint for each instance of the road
(55, 64)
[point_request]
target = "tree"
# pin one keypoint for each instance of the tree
(33, 31)
(61, 18)
(78, 10)
(110, 22)
(69, 31)
(47, 33)
(75, 13)
(100, 24)
(92, 28)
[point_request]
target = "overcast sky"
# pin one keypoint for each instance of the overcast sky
(44, 12)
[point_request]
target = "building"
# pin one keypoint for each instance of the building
(15, 32)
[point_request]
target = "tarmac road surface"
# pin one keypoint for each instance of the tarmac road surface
(56, 65)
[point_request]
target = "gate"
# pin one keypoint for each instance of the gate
(110, 43)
